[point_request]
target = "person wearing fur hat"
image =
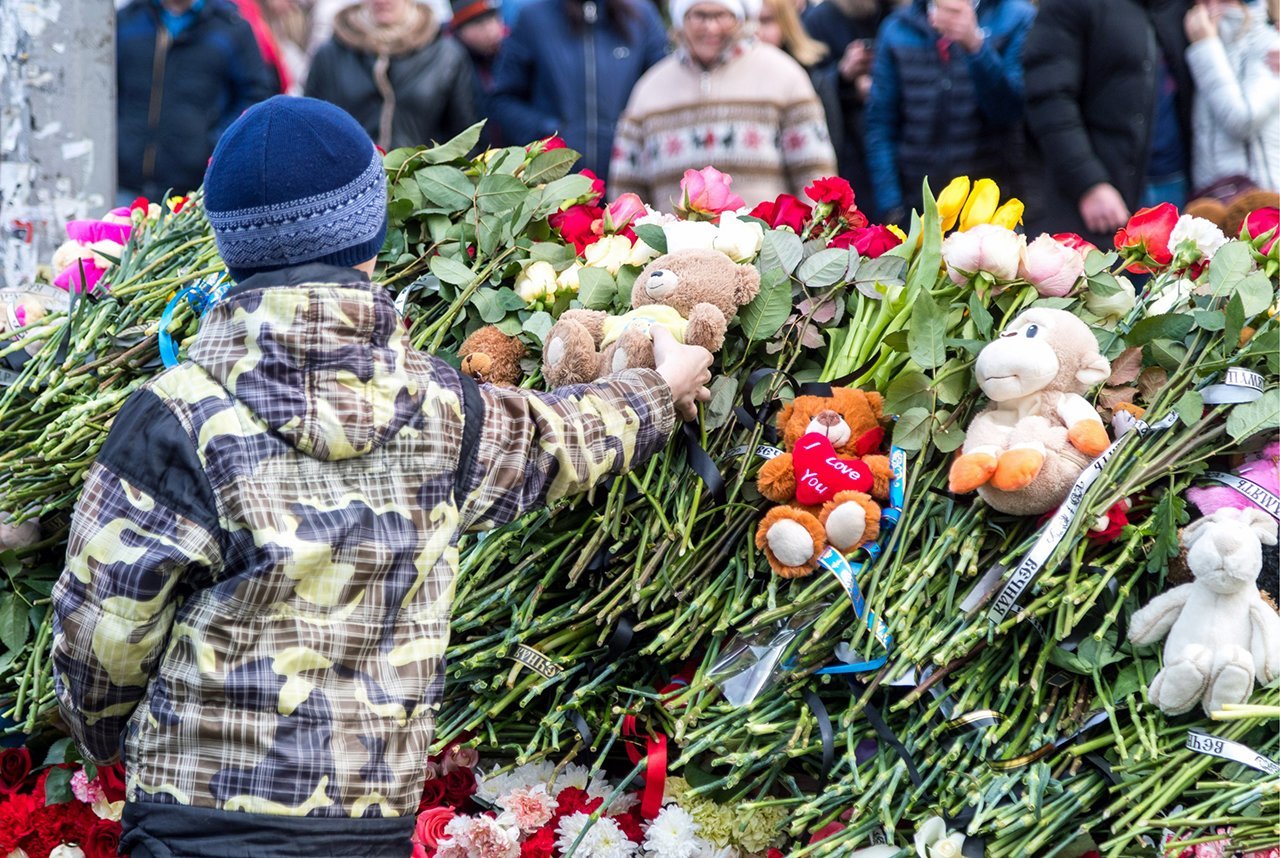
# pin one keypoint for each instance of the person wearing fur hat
(260, 570)
(722, 99)
(390, 67)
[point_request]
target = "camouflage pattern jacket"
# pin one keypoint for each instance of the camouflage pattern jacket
(261, 566)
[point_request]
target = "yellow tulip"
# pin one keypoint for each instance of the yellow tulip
(1008, 215)
(981, 204)
(951, 200)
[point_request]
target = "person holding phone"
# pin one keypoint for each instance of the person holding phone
(946, 98)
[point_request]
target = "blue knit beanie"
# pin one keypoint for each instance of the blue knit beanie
(295, 180)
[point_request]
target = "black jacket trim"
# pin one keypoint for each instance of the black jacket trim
(472, 424)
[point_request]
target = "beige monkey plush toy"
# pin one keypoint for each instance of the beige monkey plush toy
(1221, 635)
(1023, 452)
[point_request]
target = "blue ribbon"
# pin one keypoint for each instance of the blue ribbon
(847, 573)
(201, 296)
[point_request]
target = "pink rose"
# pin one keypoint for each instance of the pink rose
(429, 829)
(986, 249)
(622, 212)
(708, 191)
(1075, 242)
(1053, 268)
(458, 757)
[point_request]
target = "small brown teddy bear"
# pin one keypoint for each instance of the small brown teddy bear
(489, 355)
(826, 481)
(692, 293)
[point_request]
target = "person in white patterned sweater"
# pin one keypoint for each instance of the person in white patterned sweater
(723, 100)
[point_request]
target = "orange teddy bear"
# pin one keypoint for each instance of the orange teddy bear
(824, 485)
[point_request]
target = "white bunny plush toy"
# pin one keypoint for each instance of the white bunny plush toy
(1221, 633)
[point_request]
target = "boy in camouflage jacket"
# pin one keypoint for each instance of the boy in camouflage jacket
(261, 567)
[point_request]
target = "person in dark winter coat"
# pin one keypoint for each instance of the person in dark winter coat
(848, 29)
(568, 68)
(260, 570)
(946, 98)
(390, 67)
(478, 27)
(1109, 106)
(184, 71)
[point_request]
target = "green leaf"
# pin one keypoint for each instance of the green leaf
(451, 271)
(500, 193)
(57, 786)
(561, 191)
(1168, 326)
(486, 301)
(981, 315)
(456, 148)
(947, 440)
(1097, 654)
(896, 341)
(1168, 354)
(550, 251)
(14, 628)
(549, 166)
(1127, 682)
(627, 275)
(927, 332)
(446, 188)
(489, 233)
(510, 325)
(1249, 418)
(1210, 320)
(1097, 262)
(1230, 264)
(876, 278)
(1256, 294)
(952, 385)
(1104, 284)
(724, 393)
(59, 752)
(824, 268)
(652, 235)
(408, 190)
(781, 249)
(1234, 322)
(910, 389)
(1189, 407)
(596, 288)
(1053, 303)
(768, 310)
(538, 325)
(394, 160)
(911, 431)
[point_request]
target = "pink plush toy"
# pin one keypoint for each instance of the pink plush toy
(1265, 471)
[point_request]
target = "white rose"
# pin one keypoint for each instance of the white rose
(690, 235)
(987, 248)
(609, 253)
(65, 851)
(1201, 237)
(654, 216)
(567, 281)
(948, 848)
(932, 839)
(641, 254)
(1112, 307)
(739, 239)
(536, 281)
(112, 810)
(1172, 297)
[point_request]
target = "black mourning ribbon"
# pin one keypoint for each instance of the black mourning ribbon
(619, 642)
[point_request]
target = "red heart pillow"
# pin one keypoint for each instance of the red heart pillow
(820, 474)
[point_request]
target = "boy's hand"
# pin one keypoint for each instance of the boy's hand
(685, 369)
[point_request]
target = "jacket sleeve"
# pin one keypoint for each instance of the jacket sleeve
(536, 448)
(1240, 107)
(512, 97)
(883, 119)
(462, 111)
(1053, 59)
(997, 75)
(320, 74)
(143, 531)
(655, 38)
(249, 80)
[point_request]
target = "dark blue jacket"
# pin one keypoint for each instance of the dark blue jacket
(944, 115)
(177, 94)
(551, 79)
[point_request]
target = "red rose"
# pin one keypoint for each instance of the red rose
(432, 794)
(630, 825)
(111, 779)
(1144, 240)
(578, 225)
(832, 189)
(870, 241)
(597, 185)
(103, 839)
(774, 853)
(459, 785)
(541, 845)
(1075, 242)
(555, 141)
(1259, 223)
(826, 831)
(573, 800)
(15, 765)
(786, 210)
(429, 829)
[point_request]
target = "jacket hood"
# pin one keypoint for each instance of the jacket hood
(354, 28)
(318, 354)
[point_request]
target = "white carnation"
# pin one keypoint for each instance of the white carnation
(673, 834)
(1202, 235)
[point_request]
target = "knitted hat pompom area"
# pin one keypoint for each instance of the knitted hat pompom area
(295, 180)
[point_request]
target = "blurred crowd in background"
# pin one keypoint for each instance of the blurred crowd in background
(1086, 109)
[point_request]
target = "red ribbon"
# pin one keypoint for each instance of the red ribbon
(655, 770)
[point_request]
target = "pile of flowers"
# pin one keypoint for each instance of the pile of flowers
(60, 810)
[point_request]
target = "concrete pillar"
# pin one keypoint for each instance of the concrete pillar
(57, 126)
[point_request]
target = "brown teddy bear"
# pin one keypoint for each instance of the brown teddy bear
(826, 481)
(489, 355)
(692, 293)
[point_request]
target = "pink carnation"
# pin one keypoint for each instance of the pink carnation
(531, 806)
(479, 837)
(87, 791)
